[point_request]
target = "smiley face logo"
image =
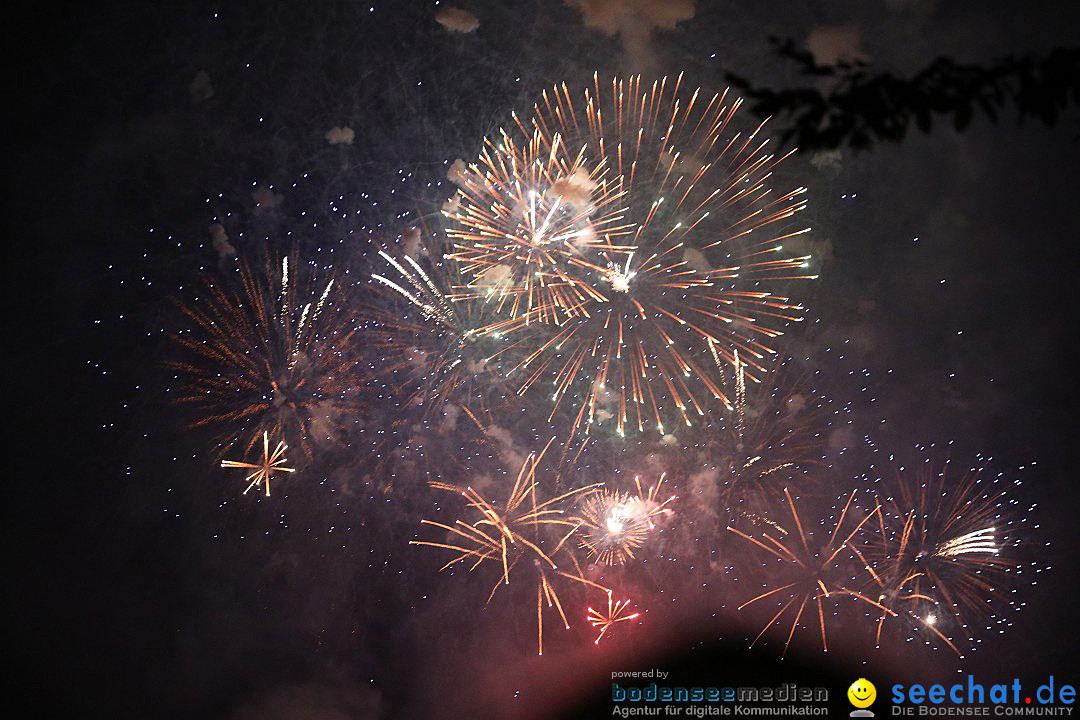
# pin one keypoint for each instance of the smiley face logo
(862, 693)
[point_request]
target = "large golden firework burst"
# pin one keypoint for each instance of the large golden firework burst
(638, 228)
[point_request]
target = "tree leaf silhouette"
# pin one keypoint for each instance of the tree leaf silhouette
(863, 107)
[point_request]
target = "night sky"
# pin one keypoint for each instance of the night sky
(941, 327)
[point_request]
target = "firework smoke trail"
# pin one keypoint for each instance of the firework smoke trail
(517, 534)
(664, 231)
(272, 356)
(811, 570)
(614, 524)
(938, 553)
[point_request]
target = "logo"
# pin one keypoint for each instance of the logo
(862, 694)
(1007, 698)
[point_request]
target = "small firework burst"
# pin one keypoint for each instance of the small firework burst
(615, 524)
(639, 229)
(604, 620)
(273, 461)
(811, 569)
(518, 535)
(940, 550)
(271, 354)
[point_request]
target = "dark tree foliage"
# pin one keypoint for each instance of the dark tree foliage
(862, 106)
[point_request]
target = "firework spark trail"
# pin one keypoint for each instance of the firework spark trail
(818, 571)
(516, 533)
(632, 323)
(271, 462)
(776, 435)
(435, 304)
(740, 396)
(615, 524)
(937, 553)
(274, 355)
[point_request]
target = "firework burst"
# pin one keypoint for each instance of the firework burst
(273, 461)
(435, 347)
(521, 536)
(939, 551)
(674, 236)
(604, 620)
(615, 524)
(529, 219)
(270, 355)
(812, 569)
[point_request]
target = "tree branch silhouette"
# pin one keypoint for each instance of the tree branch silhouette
(864, 106)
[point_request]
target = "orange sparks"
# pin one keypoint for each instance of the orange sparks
(615, 613)
(522, 532)
(816, 570)
(271, 463)
(638, 230)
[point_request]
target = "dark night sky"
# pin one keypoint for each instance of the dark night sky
(945, 312)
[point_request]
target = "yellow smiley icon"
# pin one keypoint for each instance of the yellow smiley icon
(862, 693)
